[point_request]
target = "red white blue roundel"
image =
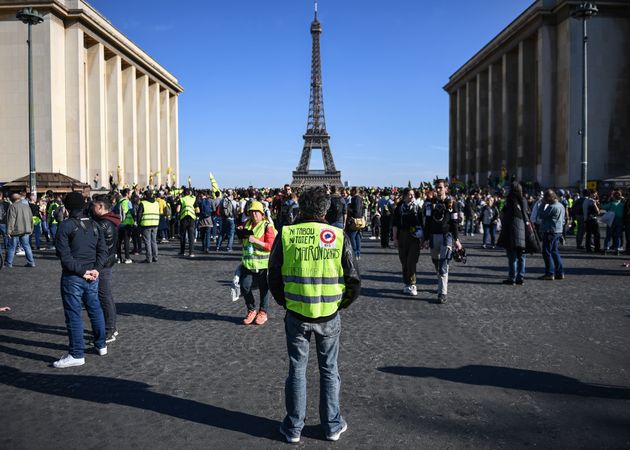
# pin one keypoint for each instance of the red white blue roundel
(327, 236)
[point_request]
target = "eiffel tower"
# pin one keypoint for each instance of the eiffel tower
(316, 136)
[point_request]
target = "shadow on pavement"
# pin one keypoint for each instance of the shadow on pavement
(7, 323)
(160, 312)
(510, 378)
(138, 395)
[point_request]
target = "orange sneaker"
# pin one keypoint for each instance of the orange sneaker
(249, 318)
(261, 317)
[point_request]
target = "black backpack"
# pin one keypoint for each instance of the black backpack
(227, 208)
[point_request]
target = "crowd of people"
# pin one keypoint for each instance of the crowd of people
(301, 248)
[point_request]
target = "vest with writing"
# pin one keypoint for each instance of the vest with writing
(311, 270)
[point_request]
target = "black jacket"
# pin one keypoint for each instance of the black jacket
(351, 276)
(80, 245)
(109, 225)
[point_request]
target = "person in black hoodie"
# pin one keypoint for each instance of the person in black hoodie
(514, 219)
(81, 247)
(108, 222)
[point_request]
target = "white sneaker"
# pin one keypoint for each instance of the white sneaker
(101, 351)
(68, 360)
(290, 439)
(414, 290)
(128, 261)
(407, 290)
(20, 253)
(335, 436)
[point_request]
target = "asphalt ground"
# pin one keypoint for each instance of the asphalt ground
(544, 365)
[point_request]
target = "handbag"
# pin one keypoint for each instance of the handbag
(356, 223)
(608, 218)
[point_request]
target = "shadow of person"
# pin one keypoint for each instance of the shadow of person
(139, 395)
(160, 312)
(510, 378)
(8, 323)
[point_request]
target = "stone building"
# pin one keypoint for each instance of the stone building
(102, 105)
(516, 106)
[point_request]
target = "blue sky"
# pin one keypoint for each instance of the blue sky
(245, 68)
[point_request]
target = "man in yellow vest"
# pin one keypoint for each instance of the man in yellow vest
(149, 219)
(312, 274)
(125, 210)
(187, 212)
(257, 235)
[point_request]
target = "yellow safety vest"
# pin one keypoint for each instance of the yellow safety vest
(311, 270)
(126, 212)
(150, 214)
(255, 258)
(187, 208)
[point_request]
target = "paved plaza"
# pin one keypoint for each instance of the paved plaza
(544, 365)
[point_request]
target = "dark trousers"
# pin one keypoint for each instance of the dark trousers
(386, 224)
(186, 230)
(124, 233)
(247, 279)
(136, 239)
(106, 299)
(408, 253)
(579, 233)
(592, 237)
(627, 225)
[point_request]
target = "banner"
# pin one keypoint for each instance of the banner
(215, 185)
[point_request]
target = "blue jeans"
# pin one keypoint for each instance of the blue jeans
(37, 234)
(489, 233)
(327, 343)
(24, 241)
(516, 264)
(227, 231)
(469, 226)
(355, 240)
(5, 238)
(551, 254)
(616, 232)
(75, 292)
(216, 228)
(53, 232)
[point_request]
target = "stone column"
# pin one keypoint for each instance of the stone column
(525, 156)
(482, 128)
(96, 151)
(154, 129)
(509, 107)
(495, 119)
(471, 130)
(114, 141)
(461, 132)
(55, 66)
(165, 136)
(174, 137)
(130, 126)
(142, 92)
(546, 118)
(452, 140)
(75, 105)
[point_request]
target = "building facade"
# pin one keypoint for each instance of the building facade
(102, 106)
(516, 106)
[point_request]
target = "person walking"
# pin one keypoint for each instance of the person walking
(514, 218)
(149, 220)
(441, 218)
(551, 226)
(125, 211)
(187, 211)
(408, 234)
(257, 235)
(386, 207)
(19, 229)
(108, 223)
(82, 249)
(489, 218)
(312, 275)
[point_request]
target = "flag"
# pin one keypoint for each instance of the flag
(215, 185)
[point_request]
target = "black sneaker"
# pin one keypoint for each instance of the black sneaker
(509, 282)
(520, 282)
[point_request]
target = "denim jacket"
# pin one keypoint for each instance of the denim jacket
(552, 217)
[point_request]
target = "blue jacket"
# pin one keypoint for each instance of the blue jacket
(552, 218)
(80, 245)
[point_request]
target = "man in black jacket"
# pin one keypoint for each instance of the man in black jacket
(312, 275)
(81, 247)
(108, 222)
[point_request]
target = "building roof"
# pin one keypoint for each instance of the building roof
(56, 182)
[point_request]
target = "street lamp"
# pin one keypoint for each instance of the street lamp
(584, 11)
(30, 17)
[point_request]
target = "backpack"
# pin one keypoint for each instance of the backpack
(206, 208)
(59, 213)
(116, 210)
(80, 224)
(227, 208)
(288, 212)
(336, 209)
(168, 212)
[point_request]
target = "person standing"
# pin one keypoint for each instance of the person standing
(19, 229)
(385, 207)
(441, 218)
(257, 235)
(108, 222)
(125, 211)
(514, 219)
(489, 218)
(187, 211)
(52, 213)
(149, 220)
(577, 212)
(227, 211)
(626, 220)
(336, 214)
(616, 205)
(355, 214)
(312, 275)
(551, 227)
(590, 212)
(408, 234)
(81, 247)
(4, 209)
